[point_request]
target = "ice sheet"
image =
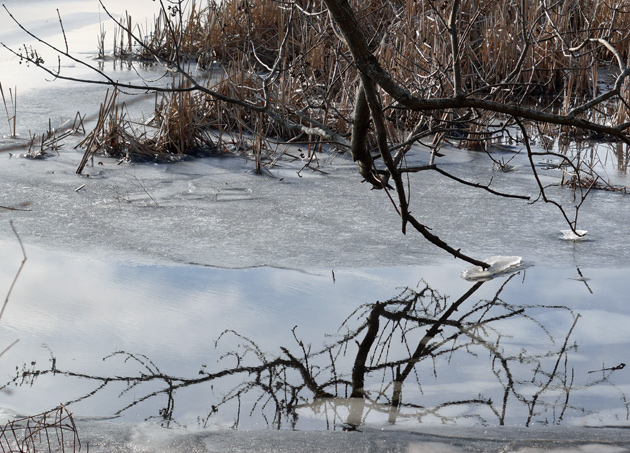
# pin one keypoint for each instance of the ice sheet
(145, 438)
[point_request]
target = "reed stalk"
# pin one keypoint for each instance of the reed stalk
(12, 112)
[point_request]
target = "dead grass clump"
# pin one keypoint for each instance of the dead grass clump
(409, 37)
(178, 128)
(181, 34)
(524, 44)
(180, 123)
(231, 117)
(247, 27)
(49, 431)
(287, 57)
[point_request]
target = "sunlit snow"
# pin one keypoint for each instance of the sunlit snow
(569, 235)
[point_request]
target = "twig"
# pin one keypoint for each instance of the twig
(12, 208)
(6, 301)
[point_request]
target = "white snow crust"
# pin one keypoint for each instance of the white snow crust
(569, 235)
(499, 265)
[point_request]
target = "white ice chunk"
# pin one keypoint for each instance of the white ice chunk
(498, 265)
(569, 235)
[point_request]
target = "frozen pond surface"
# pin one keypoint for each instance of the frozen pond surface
(159, 260)
(216, 212)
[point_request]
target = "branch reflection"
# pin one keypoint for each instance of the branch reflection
(390, 361)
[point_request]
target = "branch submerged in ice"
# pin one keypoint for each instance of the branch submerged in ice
(499, 265)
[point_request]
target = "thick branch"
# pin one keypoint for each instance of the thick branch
(366, 62)
(359, 369)
(358, 143)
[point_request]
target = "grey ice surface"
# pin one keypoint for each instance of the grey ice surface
(217, 212)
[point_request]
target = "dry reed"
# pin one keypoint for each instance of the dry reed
(177, 128)
(12, 112)
(49, 431)
(287, 56)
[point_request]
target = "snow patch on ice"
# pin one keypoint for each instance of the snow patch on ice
(569, 235)
(499, 265)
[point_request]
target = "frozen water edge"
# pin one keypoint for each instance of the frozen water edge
(216, 212)
(108, 437)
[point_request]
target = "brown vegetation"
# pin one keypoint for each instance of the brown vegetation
(286, 59)
(510, 49)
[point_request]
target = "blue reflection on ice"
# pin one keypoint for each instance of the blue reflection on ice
(80, 310)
